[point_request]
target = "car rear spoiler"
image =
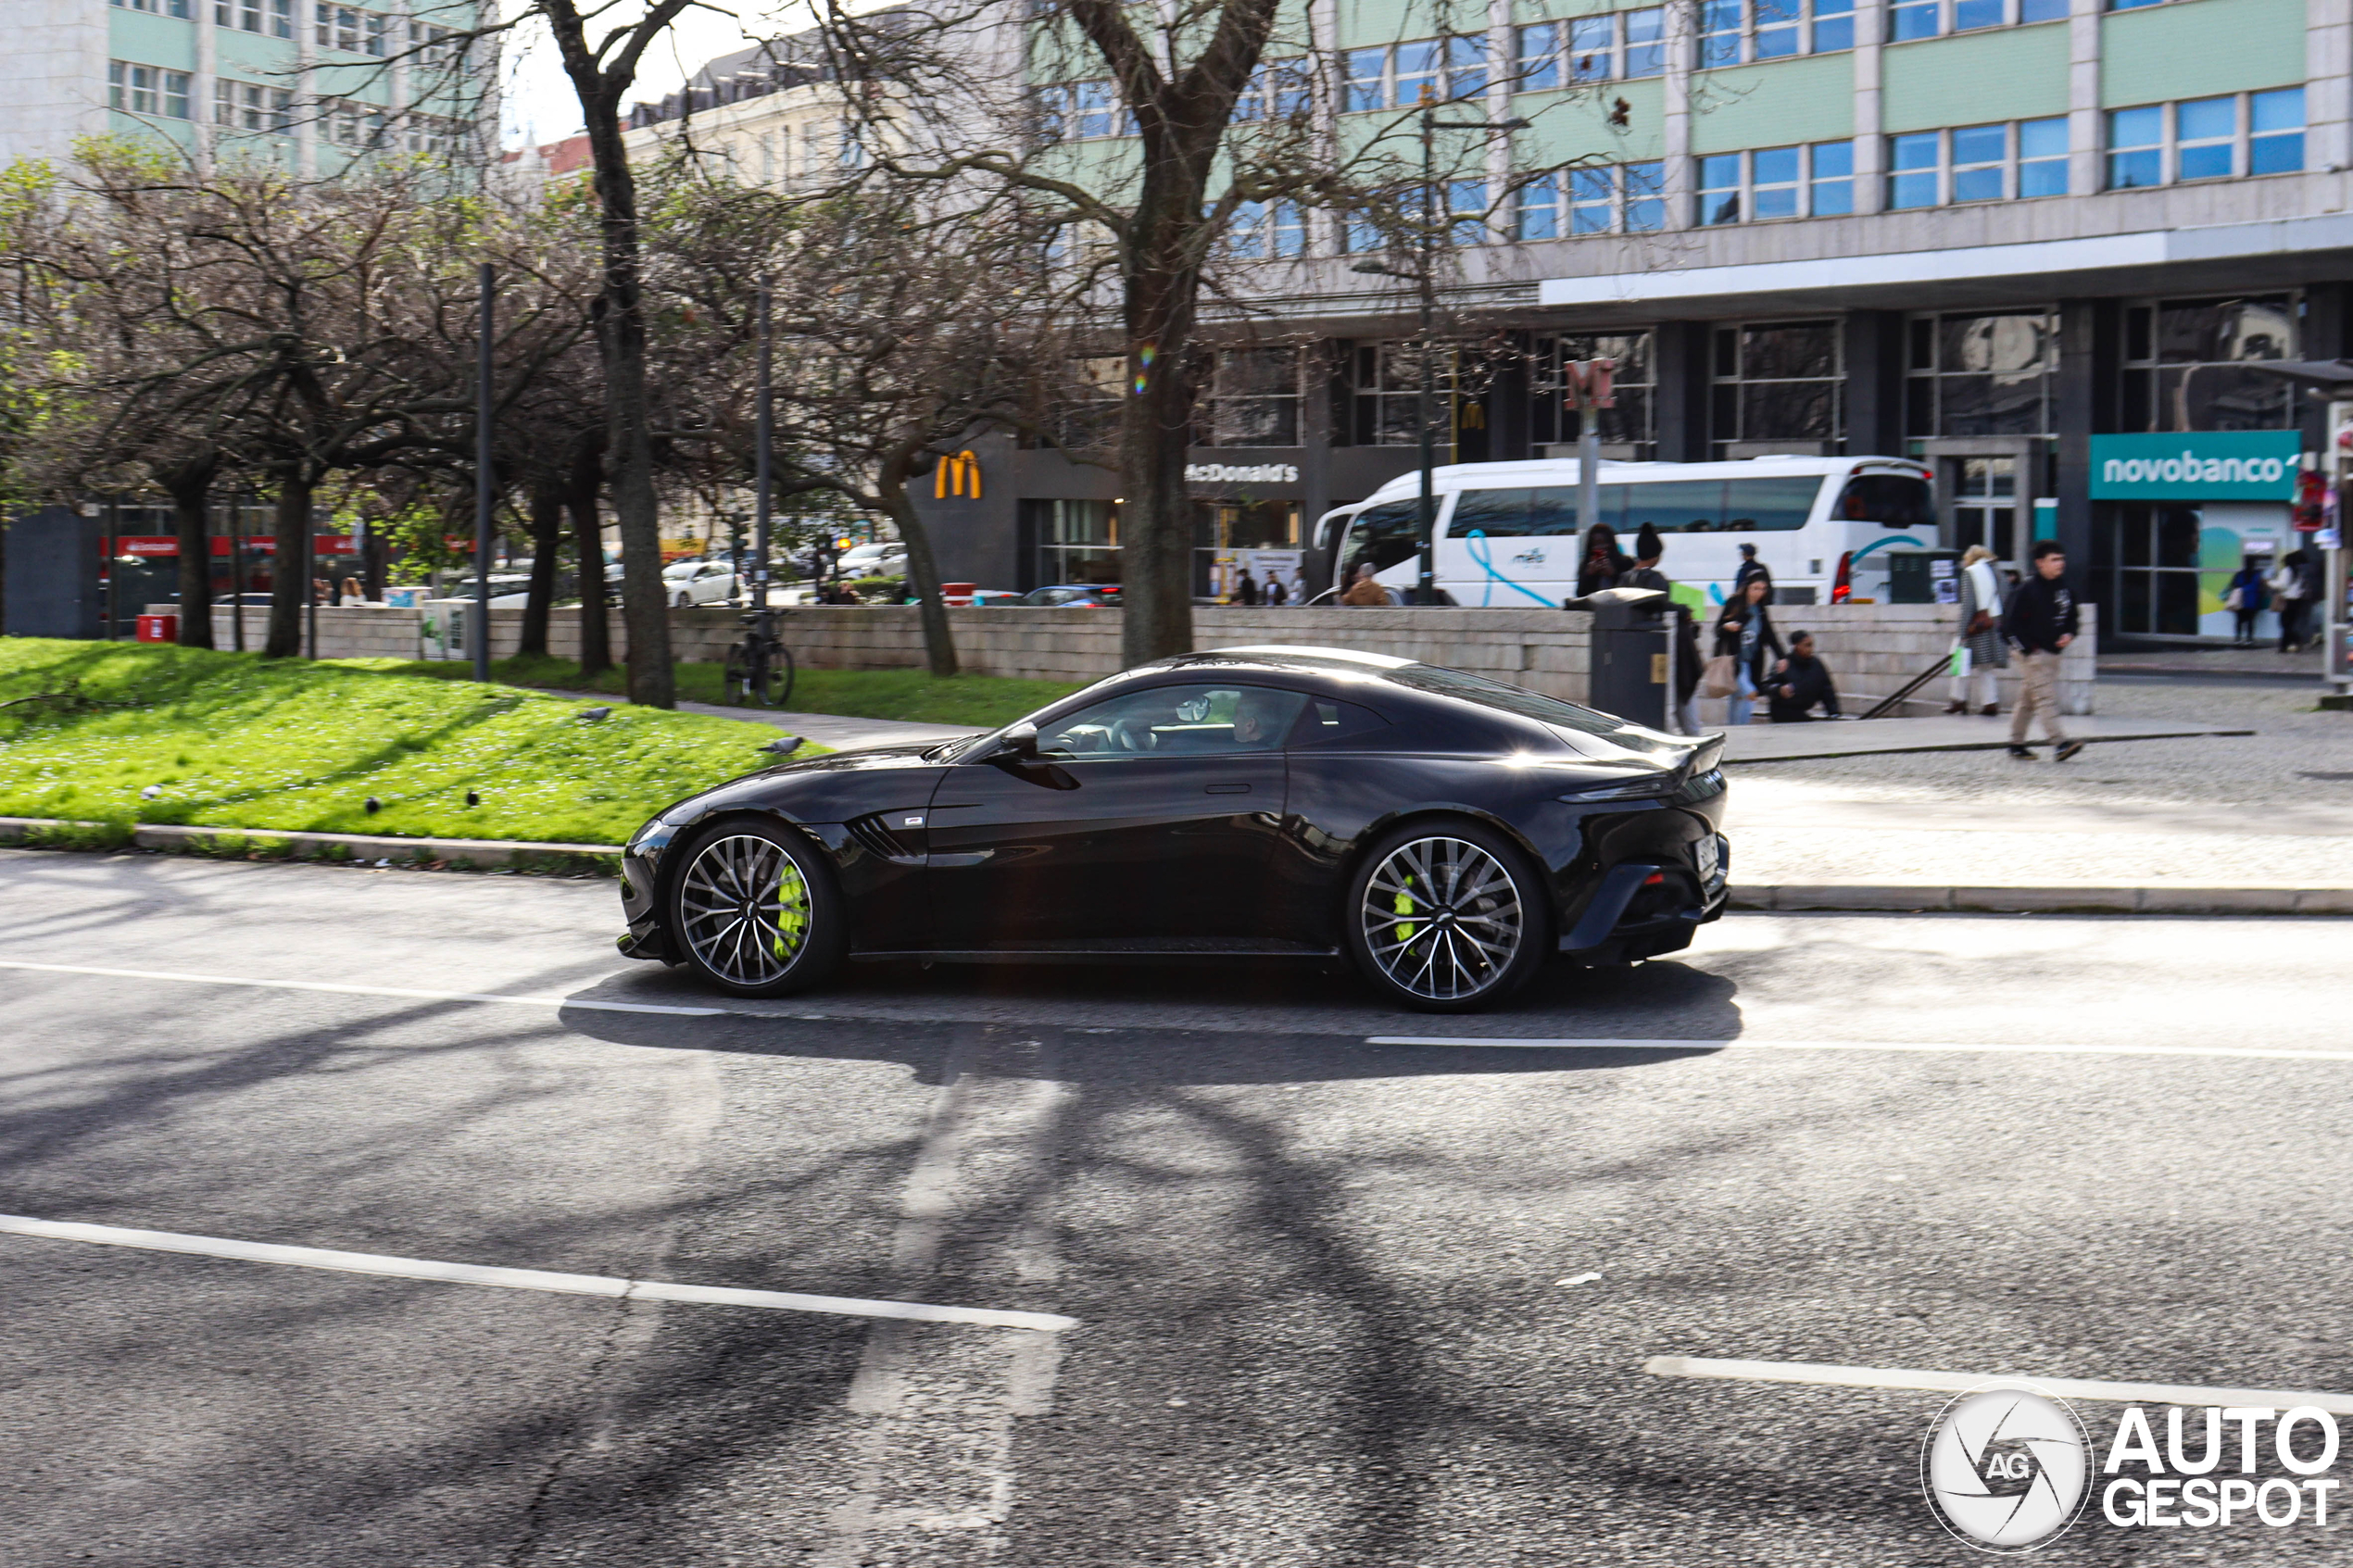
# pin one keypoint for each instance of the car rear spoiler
(1705, 754)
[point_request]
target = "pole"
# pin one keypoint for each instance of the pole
(764, 483)
(1425, 575)
(237, 574)
(1588, 469)
(2336, 636)
(484, 485)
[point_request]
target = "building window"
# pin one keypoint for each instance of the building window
(1466, 206)
(1975, 163)
(282, 18)
(1733, 30)
(1253, 398)
(249, 106)
(1082, 111)
(1646, 33)
(180, 8)
(1620, 198)
(1980, 375)
(2205, 139)
(1266, 230)
(2184, 358)
(1773, 183)
(1719, 32)
(1367, 83)
(1077, 541)
(1776, 387)
(1385, 392)
(1277, 90)
(148, 90)
(350, 29)
(1833, 179)
(243, 13)
(1907, 20)
(1626, 431)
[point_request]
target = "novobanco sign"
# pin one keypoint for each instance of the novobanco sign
(2235, 465)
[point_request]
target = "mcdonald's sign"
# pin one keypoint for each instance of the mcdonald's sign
(959, 475)
(1590, 384)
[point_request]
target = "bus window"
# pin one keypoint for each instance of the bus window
(1383, 534)
(1554, 510)
(1772, 504)
(1891, 500)
(1499, 514)
(1695, 506)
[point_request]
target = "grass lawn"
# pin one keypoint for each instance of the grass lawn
(982, 701)
(237, 741)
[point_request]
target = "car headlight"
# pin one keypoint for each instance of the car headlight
(652, 838)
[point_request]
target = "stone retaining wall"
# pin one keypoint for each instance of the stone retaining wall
(1871, 650)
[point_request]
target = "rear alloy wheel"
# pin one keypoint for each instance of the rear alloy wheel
(1447, 918)
(755, 911)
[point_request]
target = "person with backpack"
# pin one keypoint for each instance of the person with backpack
(2040, 622)
(2244, 600)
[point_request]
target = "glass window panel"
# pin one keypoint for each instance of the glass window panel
(1416, 70)
(1539, 70)
(1776, 29)
(1589, 192)
(1909, 21)
(1466, 68)
(2042, 152)
(1834, 25)
(2135, 156)
(1968, 14)
(1833, 185)
(1539, 209)
(1773, 183)
(1646, 43)
(1500, 514)
(1554, 510)
(2205, 131)
(1720, 27)
(2176, 603)
(1920, 406)
(1719, 188)
(1979, 156)
(2277, 121)
(1467, 199)
(1695, 506)
(1645, 199)
(1913, 160)
(2132, 541)
(2041, 11)
(1789, 411)
(2177, 530)
(1770, 504)
(1365, 90)
(1589, 47)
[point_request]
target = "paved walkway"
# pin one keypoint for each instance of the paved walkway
(1786, 743)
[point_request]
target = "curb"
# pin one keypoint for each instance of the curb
(291, 845)
(2088, 899)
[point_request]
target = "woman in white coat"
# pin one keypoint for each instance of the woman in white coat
(1981, 635)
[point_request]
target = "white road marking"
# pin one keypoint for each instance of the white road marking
(362, 990)
(1942, 1382)
(1474, 1042)
(525, 1279)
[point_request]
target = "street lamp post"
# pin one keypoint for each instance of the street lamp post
(1425, 289)
(763, 484)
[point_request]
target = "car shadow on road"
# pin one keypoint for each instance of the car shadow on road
(1226, 1023)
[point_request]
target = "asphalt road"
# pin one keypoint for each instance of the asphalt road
(1337, 1303)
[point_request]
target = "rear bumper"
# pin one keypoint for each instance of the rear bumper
(1643, 908)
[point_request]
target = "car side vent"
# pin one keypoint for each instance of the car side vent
(875, 839)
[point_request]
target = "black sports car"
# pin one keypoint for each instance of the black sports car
(1449, 831)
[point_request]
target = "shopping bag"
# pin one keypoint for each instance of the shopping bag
(1717, 678)
(1960, 661)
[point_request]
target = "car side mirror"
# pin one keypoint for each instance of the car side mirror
(1017, 744)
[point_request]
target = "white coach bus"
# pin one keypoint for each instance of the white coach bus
(1508, 533)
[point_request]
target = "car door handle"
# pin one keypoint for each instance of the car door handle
(1226, 789)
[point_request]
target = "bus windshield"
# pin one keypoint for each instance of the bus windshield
(1384, 535)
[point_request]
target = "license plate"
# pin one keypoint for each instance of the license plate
(1709, 858)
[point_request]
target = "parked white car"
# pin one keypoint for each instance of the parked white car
(691, 582)
(872, 560)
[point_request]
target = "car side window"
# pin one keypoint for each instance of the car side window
(1325, 723)
(1175, 722)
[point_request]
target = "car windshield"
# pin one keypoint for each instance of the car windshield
(1441, 681)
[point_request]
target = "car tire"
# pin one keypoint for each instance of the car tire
(1492, 932)
(685, 601)
(754, 911)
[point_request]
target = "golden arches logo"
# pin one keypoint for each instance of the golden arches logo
(959, 475)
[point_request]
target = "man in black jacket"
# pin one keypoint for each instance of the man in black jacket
(1799, 682)
(2040, 622)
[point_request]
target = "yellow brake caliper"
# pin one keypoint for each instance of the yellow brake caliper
(792, 921)
(1404, 903)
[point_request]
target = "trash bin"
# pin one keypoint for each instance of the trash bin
(1630, 652)
(158, 628)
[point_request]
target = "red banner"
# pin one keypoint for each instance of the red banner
(256, 545)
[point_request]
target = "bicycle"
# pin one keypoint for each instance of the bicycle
(760, 667)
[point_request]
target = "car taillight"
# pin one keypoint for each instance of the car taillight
(1843, 585)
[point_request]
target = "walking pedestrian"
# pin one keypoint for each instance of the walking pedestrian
(1745, 631)
(1604, 563)
(2040, 623)
(2244, 600)
(1648, 549)
(1979, 649)
(1275, 593)
(1752, 568)
(1246, 590)
(2293, 590)
(1366, 591)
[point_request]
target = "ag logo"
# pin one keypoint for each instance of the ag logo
(2005, 1468)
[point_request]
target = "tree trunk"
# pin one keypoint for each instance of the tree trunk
(546, 539)
(589, 544)
(190, 486)
(289, 565)
(1157, 516)
(922, 571)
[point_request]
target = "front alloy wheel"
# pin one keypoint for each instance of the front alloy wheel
(1447, 920)
(756, 912)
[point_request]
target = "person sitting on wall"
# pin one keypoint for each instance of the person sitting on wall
(1799, 682)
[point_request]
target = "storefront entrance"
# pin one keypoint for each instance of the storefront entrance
(2180, 515)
